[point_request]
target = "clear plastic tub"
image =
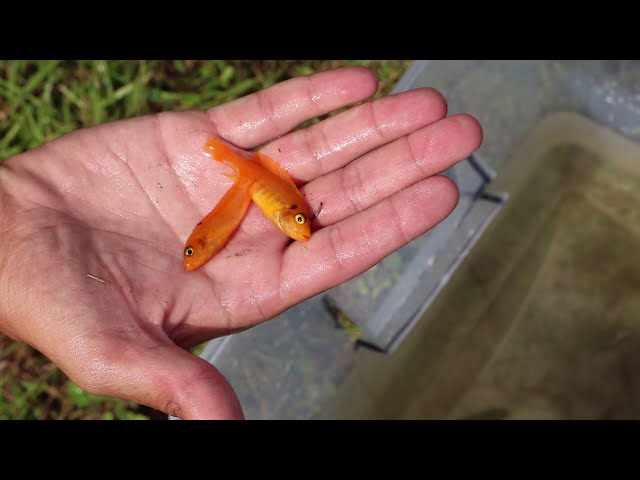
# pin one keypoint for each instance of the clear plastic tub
(298, 364)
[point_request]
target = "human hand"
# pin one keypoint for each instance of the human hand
(117, 201)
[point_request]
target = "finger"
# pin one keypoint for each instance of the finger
(252, 120)
(338, 253)
(166, 378)
(332, 143)
(380, 174)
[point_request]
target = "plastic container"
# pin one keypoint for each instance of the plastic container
(293, 366)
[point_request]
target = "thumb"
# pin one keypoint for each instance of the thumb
(172, 380)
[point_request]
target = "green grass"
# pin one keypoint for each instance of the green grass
(42, 100)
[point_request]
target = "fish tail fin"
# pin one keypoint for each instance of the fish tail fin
(221, 152)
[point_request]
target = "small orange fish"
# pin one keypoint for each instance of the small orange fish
(259, 178)
(272, 189)
(214, 231)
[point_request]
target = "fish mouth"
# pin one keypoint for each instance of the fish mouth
(188, 268)
(298, 236)
(189, 265)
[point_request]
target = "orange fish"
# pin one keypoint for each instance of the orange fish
(272, 189)
(215, 230)
(260, 179)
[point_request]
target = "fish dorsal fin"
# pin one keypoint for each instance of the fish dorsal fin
(274, 167)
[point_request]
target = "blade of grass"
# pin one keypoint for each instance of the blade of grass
(72, 97)
(44, 70)
(10, 135)
(104, 72)
(122, 92)
(239, 89)
(34, 127)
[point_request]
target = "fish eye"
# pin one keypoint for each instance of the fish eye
(188, 251)
(301, 219)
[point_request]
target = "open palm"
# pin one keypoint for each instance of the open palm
(94, 226)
